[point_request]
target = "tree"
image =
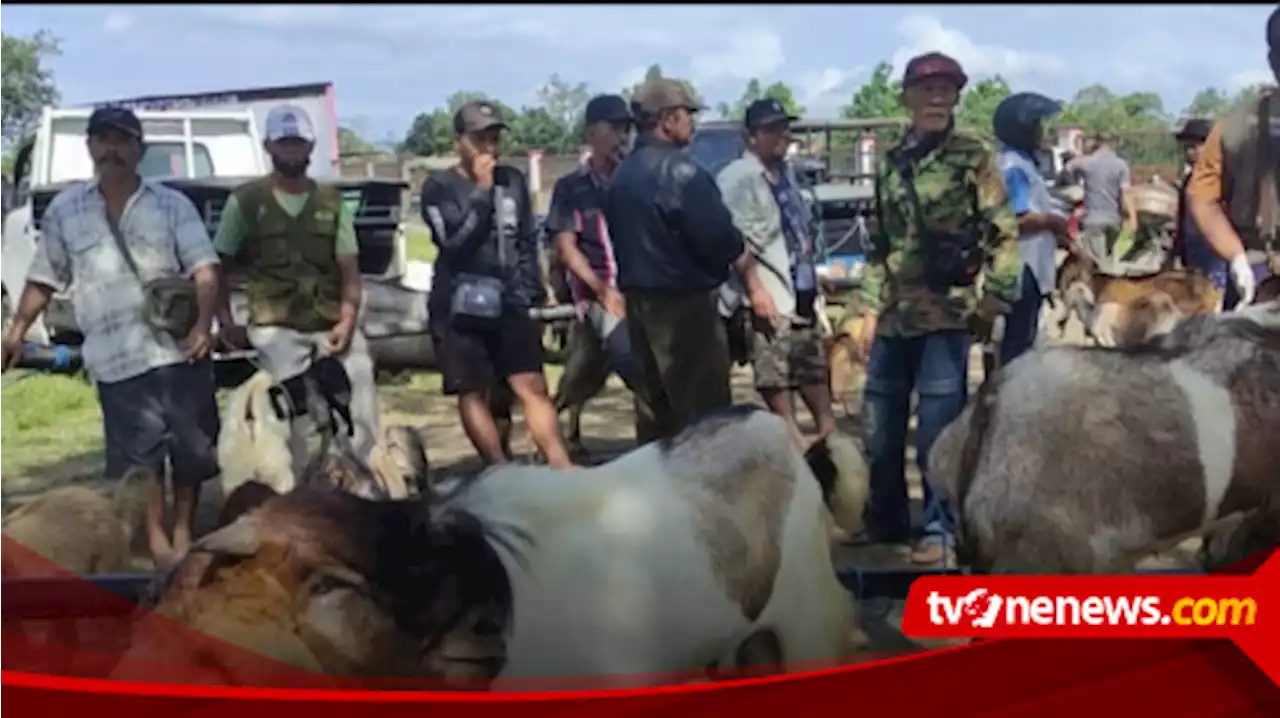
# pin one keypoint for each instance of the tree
(535, 128)
(978, 106)
(1209, 103)
(564, 103)
(777, 91)
(351, 143)
(28, 82)
(880, 97)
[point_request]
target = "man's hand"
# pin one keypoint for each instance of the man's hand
(866, 337)
(613, 303)
(340, 337)
(233, 336)
(763, 307)
(198, 343)
(483, 169)
(12, 348)
(983, 321)
(1242, 276)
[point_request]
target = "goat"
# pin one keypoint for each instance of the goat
(74, 530)
(1082, 460)
(256, 444)
(1125, 311)
(708, 548)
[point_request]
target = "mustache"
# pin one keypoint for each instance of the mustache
(110, 159)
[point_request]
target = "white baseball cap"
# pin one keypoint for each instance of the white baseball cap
(289, 121)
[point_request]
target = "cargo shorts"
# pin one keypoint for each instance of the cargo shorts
(789, 358)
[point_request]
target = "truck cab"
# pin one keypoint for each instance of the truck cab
(180, 145)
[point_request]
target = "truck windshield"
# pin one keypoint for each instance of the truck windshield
(165, 160)
(714, 149)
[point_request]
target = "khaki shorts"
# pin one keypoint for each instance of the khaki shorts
(791, 358)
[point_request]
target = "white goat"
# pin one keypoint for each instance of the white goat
(254, 443)
(1083, 460)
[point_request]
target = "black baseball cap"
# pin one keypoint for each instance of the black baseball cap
(1196, 128)
(766, 112)
(607, 108)
(115, 118)
(477, 116)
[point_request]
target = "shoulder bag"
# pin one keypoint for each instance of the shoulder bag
(169, 303)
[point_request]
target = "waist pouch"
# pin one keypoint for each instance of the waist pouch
(951, 259)
(476, 304)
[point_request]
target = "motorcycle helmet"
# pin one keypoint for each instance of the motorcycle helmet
(1017, 120)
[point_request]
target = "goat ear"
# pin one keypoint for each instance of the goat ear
(239, 538)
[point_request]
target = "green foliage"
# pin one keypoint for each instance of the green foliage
(777, 91)
(978, 106)
(28, 82)
(351, 143)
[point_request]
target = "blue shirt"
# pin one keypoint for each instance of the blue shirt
(1018, 187)
(795, 229)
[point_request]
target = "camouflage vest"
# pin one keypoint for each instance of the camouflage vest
(1248, 179)
(292, 278)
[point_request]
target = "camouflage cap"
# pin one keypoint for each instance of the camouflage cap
(654, 96)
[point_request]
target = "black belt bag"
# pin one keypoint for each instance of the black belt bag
(476, 304)
(949, 259)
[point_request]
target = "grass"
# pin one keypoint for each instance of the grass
(418, 244)
(46, 420)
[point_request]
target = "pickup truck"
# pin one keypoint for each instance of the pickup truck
(205, 154)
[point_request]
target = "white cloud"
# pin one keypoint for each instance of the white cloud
(925, 33)
(748, 53)
(118, 22)
(821, 87)
(631, 77)
(1250, 78)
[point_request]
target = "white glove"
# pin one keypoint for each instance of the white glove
(1242, 275)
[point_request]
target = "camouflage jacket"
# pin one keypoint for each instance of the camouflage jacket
(946, 180)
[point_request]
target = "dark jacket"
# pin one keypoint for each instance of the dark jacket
(462, 218)
(671, 231)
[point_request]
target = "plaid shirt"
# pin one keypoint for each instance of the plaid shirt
(76, 252)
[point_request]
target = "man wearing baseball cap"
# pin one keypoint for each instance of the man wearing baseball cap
(921, 291)
(675, 244)
(108, 239)
(577, 224)
(762, 193)
(485, 282)
(295, 241)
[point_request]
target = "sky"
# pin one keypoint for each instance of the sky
(389, 63)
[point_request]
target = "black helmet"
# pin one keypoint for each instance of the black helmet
(1017, 119)
(1196, 129)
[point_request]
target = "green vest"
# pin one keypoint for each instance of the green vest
(292, 278)
(1245, 181)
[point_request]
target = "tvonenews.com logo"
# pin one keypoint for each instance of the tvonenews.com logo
(980, 608)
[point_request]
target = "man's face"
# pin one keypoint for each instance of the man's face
(115, 153)
(290, 155)
(609, 139)
(770, 141)
(473, 144)
(931, 103)
(1191, 150)
(678, 125)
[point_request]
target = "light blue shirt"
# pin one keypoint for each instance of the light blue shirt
(1028, 192)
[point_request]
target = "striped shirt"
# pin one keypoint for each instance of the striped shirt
(77, 253)
(577, 206)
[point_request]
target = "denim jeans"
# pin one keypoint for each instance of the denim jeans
(936, 366)
(1023, 321)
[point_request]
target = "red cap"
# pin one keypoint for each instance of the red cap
(934, 64)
